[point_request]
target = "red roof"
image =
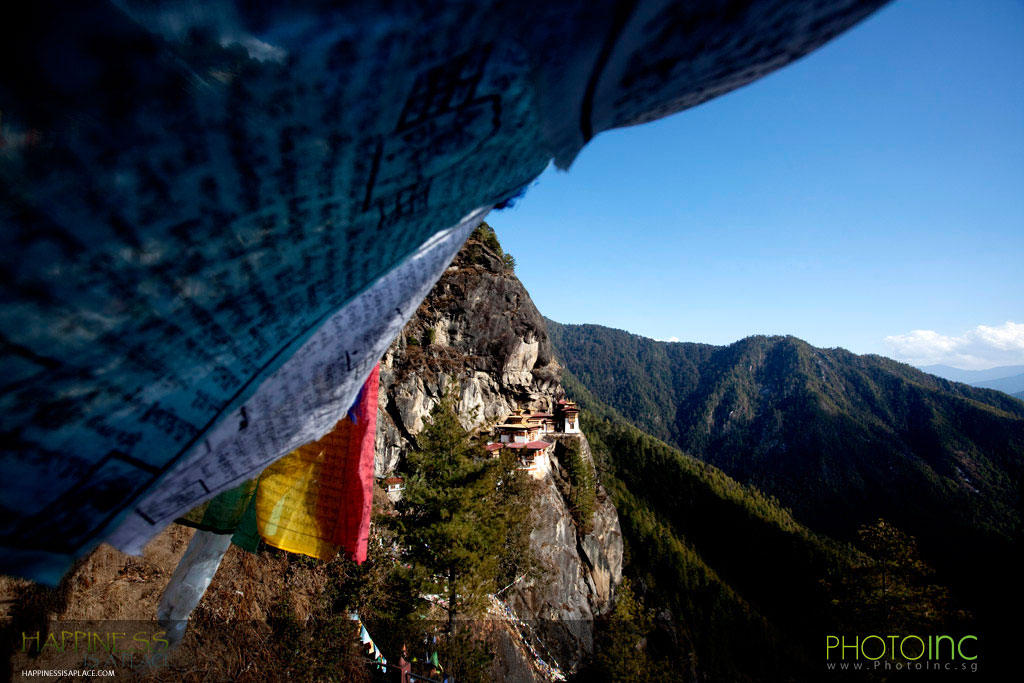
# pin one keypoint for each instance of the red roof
(543, 415)
(394, 480)
(537, 445)
(495, 446)
(515, 445)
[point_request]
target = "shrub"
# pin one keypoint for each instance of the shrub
(485, 235)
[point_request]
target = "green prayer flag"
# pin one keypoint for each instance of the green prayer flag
(222, 514)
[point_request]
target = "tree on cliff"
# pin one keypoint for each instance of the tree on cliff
(485, 235)
(463, 519)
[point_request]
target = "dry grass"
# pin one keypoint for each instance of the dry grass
(231, 636)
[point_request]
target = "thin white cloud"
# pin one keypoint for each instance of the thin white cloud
(977, 349)
(670, 339)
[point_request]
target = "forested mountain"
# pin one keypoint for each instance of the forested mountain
(741, 590)
(840, 439)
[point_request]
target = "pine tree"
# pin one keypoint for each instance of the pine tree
(893, 588)
(463, 517)
(621, 652)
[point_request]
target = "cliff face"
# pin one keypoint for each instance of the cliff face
(580, 571)
(479, 334)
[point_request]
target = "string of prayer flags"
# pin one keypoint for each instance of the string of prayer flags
(223, 514)
(317, 499)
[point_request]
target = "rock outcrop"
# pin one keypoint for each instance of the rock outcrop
(479, 334)
(578, 571)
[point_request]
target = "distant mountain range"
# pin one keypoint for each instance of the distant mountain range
(1011, 385)
(1007, 378)
(839, 439)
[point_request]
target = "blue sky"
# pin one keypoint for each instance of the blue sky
(869, 196)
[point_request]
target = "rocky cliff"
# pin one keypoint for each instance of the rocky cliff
(479, 334)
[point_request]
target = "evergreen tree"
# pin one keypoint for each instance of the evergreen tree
(463, 519)
(892, 588)
(621, 655)
(485, 235)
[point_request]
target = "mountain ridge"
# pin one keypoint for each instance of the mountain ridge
(972, 376)
(1010, 385)
(1006, 378)
(840, 439)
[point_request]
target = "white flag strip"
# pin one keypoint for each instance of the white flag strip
(189, 581)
